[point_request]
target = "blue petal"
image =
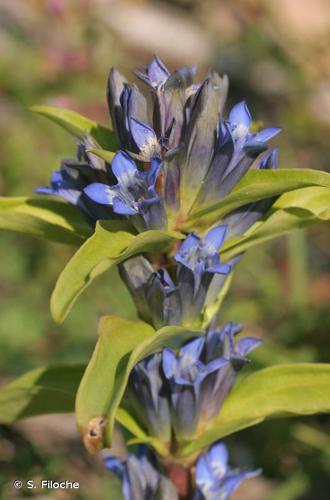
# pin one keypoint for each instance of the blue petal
(101, 193)
(153, 171)
(120, 207)
(187, 246)
(193, 349)
(231, 483)
(240, 114)
(267, 134)
(204, 476)
(179, 380)
(219, 269)
(44, 190)
(214, 365)
(169, 363)
(270, 160)
(124, 168)
(143, 135)
(216, 236)
(218, 459)
(247, 344)
(115, 465)
(57, 177)
(157, 71)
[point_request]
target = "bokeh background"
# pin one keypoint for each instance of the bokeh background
(277, 54)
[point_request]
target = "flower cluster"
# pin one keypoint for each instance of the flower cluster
(177, 394)
(214, 478)
(161, 301)
(188, 155)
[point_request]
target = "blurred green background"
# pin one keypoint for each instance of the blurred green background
(276, 54)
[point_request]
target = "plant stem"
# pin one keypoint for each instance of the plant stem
(181, 478)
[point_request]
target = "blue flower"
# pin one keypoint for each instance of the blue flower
(134, 193)
(240, 122)
(235, 150)
(171, 97)
(74, 175)
(145, 139)
(61, 185)
(219, 342)
(202, 255)
(155, 74)
(125, 103)
(188, 377)
(199, 261)
(215, 479)
(140, 478)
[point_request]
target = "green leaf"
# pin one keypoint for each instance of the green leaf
(78, 125)
(122, 344)
(278, 391)
(293, 210)
(110, 244)
(124, 418)
(102, 153)
(99, 385)
(47, 218)
(260, 184)
(40, 391)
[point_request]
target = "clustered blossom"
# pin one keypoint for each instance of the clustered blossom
(183, 155)
(179, 393)
(163, 301)
(187, 156)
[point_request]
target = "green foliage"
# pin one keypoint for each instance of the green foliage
(121, 345)
(278, 391)
(99, 388)
(44, 390)
(293, 210)
(78, 125)
(257, 185)
(50, 219)
(103, 153)
(112, 243)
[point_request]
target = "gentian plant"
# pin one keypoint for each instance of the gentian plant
(173, 195)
